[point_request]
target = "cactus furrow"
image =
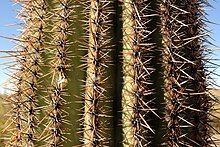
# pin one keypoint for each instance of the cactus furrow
(136, 104)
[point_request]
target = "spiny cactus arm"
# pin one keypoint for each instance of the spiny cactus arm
(137, 73)
(186, 92)
(98, 49)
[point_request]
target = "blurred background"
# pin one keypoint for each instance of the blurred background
(9, 26)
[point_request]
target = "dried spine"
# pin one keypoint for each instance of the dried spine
(186, 93)
(137, 72)
(98, 49)
(62, 19)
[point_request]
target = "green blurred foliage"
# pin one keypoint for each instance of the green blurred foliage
(4, 109)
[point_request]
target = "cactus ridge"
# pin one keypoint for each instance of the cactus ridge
(186, 92)
(97, 43)
(28, 73)
(35, 27)
(62, 27)
(137, 72)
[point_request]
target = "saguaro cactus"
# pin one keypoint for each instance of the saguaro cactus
(48, 82)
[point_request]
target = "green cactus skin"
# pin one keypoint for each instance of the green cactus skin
(137, 73)
(186, 92)
(75, 79)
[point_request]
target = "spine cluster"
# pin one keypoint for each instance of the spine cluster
(186, 93)
(137, 72)
(98, 13)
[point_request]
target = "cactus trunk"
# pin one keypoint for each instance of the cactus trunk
(144, 77)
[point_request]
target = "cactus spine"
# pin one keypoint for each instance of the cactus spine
(186, 93)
